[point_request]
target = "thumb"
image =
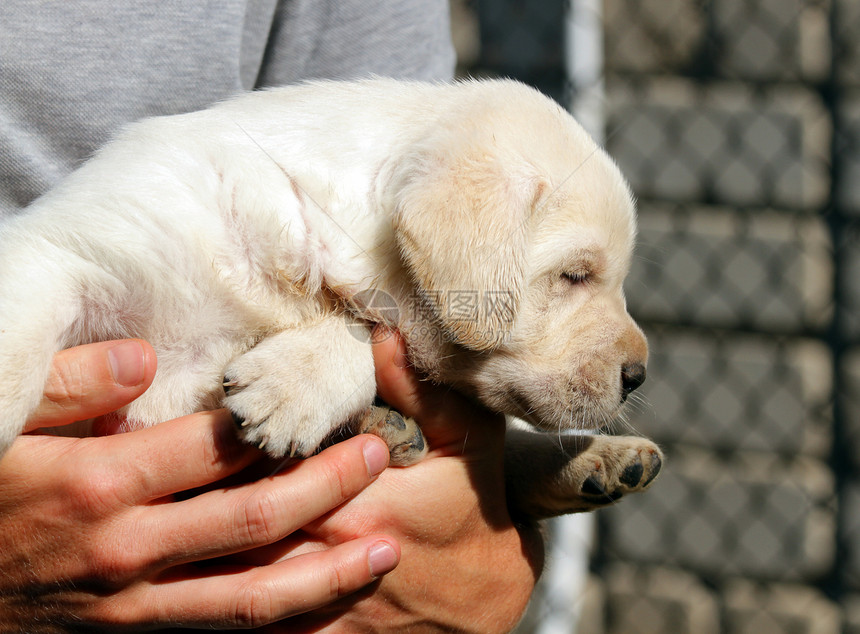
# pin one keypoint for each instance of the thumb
(93, 380)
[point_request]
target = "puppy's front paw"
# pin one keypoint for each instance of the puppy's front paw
(271, 419)
(614, 466)
(405, 440)
(289, 410)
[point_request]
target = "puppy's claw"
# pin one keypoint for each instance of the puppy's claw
(237, 420)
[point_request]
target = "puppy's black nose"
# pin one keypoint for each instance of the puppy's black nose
(632, 376)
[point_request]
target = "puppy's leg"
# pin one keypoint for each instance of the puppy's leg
(38, 308)
(554, 475)
(293, 389)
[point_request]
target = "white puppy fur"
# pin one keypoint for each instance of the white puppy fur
(238, 241)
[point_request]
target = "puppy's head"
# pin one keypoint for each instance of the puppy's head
(517, 231)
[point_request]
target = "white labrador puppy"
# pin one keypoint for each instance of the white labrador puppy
(253, 243)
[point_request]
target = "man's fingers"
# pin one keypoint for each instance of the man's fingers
(92, 380)
(264, 511)
(396, 382)
(178, 455)
(251, 597)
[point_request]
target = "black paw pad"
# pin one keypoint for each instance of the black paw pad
(417, 442)
(598, 493)
(632, 475)
(394, 419)
(592, 486)
(656, 465)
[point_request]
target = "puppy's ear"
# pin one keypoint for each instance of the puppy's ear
(462, 222)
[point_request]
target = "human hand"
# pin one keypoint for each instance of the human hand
(92, 536)
(465, 566)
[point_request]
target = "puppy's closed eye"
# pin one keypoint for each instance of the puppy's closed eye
(577, 278)
(584, 268)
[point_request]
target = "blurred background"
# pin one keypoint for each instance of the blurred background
(737, 123)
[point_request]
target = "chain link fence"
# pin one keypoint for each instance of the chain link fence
(737, 123)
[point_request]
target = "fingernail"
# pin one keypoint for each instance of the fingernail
(375, 457)
(127, 363)
(382, 558)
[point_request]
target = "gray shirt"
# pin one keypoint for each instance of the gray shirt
(73, 71)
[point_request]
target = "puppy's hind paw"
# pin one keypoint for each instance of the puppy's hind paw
(403, 436)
